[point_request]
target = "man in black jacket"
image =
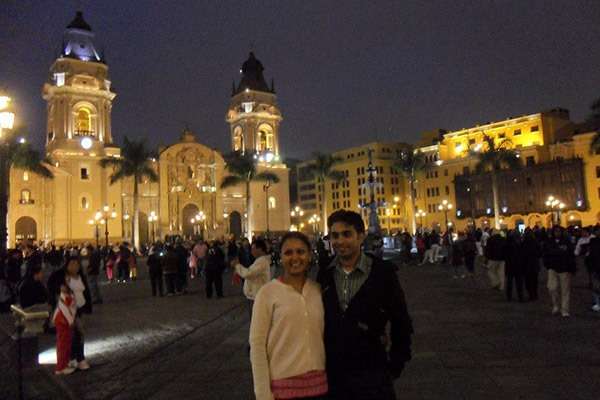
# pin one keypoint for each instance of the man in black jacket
(361, 295)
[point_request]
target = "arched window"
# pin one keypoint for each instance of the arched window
(85, 204)
(83, 122)
(265, 140)
(272, 202)
(238, 139)
(25, 196)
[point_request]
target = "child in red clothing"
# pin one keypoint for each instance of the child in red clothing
(63, 318)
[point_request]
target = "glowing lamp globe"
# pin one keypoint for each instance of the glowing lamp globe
(86, 143)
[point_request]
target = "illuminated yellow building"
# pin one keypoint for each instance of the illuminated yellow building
(556, 163)
(187, 200)
(351, 192)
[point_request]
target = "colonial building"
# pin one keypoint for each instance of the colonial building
(187, 200)
(556, 162)
(352, 193)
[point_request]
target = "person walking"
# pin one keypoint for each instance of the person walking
(215, 265)
(494, 253)
(469, 249)
(514, 266)
(182, 266)
(155, 270)
(170, 267)
(361, 295)
(257, 274)
(458, 256)
(123, 263)
(559, 260)
(287, 352)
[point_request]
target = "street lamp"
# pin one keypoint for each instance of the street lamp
(388, 214)
(152, 218)
(314, 220)
(445, 207)
(555, 204)
(296, 214)
(420, 214)
(199, 222)
(7, 120)
(102, 217)
(266, 187)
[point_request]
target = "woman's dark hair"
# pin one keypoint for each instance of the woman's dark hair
(347, 217)
(295, 235)
(70, 258)
(32, 270)
(260, 244)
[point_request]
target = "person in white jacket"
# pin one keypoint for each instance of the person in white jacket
(257, 274)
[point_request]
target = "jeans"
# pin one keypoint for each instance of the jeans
(496, 273)
(94, 288)
(560, 282)
(214, 278)
(156, 281)
(77, 342)
(171, 282)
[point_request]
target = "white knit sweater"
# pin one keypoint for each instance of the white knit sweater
(286, 334)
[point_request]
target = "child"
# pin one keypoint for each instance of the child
(63, 318)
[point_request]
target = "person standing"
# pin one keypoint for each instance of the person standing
(123, 263)
(514, 266)
(559, 260)
(63, 319)
(593, 261)
(361, 295)
(31, 289)
(215, 265)
(170, 268)
(93, 273)
(182, 266)
(531, 252)
(469, 249)
(286, 333)
(257, 274)
(155, 270)
(494, 253)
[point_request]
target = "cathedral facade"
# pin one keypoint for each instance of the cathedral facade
(81, 205)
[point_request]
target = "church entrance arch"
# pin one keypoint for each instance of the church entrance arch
(188, 212)
(235, 224)
(25, 229)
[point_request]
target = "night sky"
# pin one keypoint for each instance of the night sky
(346, 72)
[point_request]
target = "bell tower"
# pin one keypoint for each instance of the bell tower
(253, 114)
(78, 95)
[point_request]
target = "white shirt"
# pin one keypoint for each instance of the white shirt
(77, 286)
(286, 334)
(256, 275)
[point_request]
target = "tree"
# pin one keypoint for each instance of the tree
(594, 121)
(135, 162)
(494, 158)
(323, 171)
(242, 170)
(410, 163)
(16, 153)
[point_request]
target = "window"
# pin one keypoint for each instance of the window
(59, 77)
(501, 135)
(465, 170)
(83, 122)
(437, 191)
(25, 176)
(471, 142)
(445, 172)
(272, 203)
(84, 174)
(25, 197)
(530, 160)
(597, 172)
(528, 180)
(264, 141)
(238, 139)
(85, 204)
(447, 190)
(517, 132)
(535, 128)
(599, 193)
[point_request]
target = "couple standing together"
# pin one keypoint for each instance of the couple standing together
(329, 339)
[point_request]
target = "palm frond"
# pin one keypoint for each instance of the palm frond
(231, 180)
(148, 172)
(118, 175)
(25, 157)
(111, 162)
(595, 145)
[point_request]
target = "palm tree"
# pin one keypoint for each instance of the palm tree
(242, 170)
(322, 169)
(15, 153)
(410, 163)
(135, 162)
(494, 158)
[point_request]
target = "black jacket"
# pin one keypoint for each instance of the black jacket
(32, 292)
(559, 256)
(495, 247)
(57, 279)
(353, 339)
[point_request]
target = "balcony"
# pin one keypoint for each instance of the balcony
(26, 201)
(80, 132)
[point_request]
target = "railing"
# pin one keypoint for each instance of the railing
(26, 201)
(80, 132)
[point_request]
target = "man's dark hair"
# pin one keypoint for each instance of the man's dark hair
(347, 217)
(260, 244)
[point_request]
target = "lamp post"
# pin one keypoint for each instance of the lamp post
(420, 214)
(314, 220)
(266, 187)
(555, 204)
(152, 218)
(96, 224)
(7, 120)
(388, 214)
(226, 218)
(102, 217)
(126, 218)
(296, 214)
(199, 222)
(445, 207)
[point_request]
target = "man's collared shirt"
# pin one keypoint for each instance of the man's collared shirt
(348, 284)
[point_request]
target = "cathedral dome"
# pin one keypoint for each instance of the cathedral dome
(252, 77)
(78, 41)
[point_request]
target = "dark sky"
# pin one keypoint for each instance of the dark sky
(346, 72)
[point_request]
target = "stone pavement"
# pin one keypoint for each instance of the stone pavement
(469, 344)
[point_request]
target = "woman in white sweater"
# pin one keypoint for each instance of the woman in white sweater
(286, 333)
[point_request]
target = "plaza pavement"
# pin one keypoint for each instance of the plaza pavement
(469, 344)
